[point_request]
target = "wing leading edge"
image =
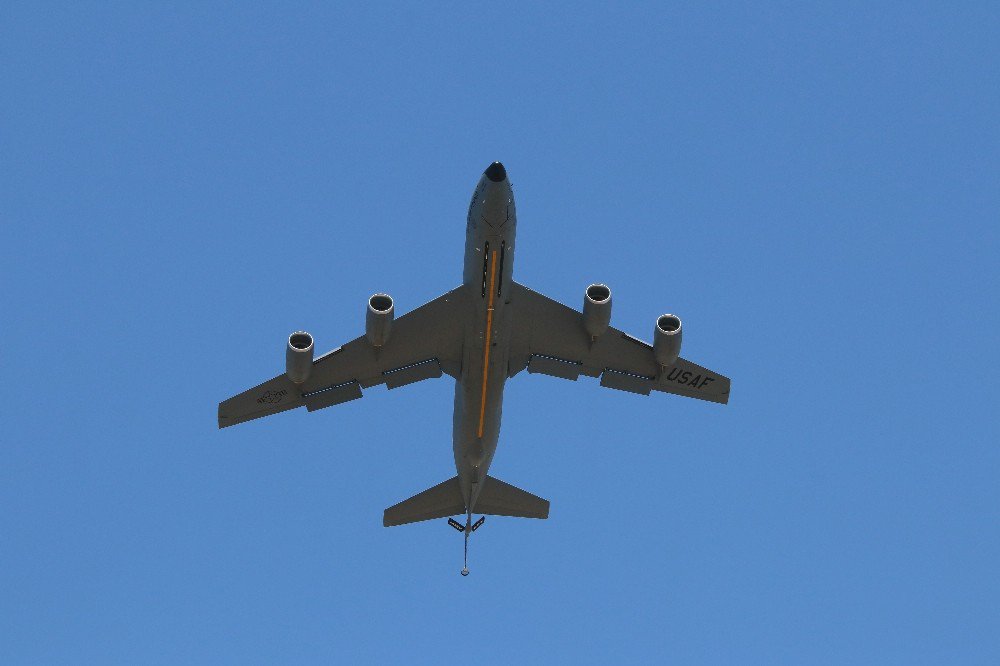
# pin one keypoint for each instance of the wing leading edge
(425, 343)
(549, 338)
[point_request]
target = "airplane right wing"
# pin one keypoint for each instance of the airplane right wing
(424, 344)
(549, 338)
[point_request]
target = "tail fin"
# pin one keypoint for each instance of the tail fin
(502, 499)
(444, 499)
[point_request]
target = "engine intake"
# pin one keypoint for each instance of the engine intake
(378, 322)
(596, 309)
(299, 356)
(667, 339)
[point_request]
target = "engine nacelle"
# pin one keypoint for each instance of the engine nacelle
(596, 309)
(667, 339)
(299, 356)
(378, 322)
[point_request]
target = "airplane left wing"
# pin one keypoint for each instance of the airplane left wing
(424, 343)
(549, 338)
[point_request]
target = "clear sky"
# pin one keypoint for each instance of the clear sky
(813, 187)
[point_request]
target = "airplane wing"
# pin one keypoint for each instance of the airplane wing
(549, 338)
(423, 344)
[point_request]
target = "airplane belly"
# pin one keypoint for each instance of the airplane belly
(479, 393)
(489, 257)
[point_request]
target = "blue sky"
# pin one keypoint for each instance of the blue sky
(812, 187)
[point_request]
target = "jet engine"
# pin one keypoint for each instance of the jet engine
(378, 321)
(596, 309)
(299, 356)
(667, 339)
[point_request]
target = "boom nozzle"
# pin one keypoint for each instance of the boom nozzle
(466, 530)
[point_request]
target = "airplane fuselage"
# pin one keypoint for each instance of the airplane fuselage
(489, 260)
(487, 329)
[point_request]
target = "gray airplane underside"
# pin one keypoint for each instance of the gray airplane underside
(481, 333)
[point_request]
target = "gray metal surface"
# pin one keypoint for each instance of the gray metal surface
(434, 330)
(481, 333)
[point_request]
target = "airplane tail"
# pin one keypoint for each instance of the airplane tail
(502, 499)
(445, 499)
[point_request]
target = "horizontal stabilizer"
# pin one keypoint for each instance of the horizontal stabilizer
(444, 499)
(502, 499)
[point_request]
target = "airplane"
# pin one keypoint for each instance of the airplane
(483, 332)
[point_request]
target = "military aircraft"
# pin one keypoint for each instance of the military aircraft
(483, 332)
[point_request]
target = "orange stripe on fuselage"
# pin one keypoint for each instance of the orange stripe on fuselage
(489, 331)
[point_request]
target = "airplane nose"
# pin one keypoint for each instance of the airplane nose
(496, 172)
